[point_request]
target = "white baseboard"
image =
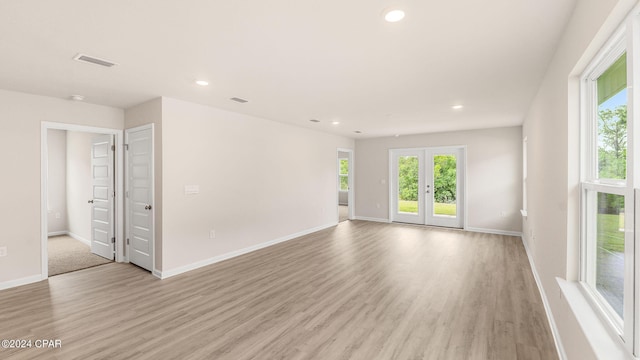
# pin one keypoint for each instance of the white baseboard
(79, 238)
(58, 233)
(494, 231)
(545, 303)
(183, 269)
(73, 235)
(157, 273)
(364, 218)
(20, 282)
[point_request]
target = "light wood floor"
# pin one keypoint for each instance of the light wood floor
(360, 290)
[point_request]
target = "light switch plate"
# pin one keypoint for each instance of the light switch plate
(3, 251)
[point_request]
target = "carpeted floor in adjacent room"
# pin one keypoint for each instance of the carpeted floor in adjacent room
(67, 254)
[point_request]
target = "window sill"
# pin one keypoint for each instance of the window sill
(604, 344)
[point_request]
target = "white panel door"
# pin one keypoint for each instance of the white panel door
(102, 209)
(140, 209)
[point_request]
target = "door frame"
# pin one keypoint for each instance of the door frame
(351, 196)
(44, 186)
(151, 126)
(393, 180)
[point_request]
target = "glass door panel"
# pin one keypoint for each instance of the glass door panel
(407, 184)
(408, 170)
(445, 182)
(443, 188)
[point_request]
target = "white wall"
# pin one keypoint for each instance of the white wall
(259, 181)
(494, 174)
(57, 180)
(79, 188)
(21, 116)
(551, 127)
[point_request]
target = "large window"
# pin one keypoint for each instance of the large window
(607, 201)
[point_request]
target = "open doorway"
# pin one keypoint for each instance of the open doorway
(75, 159)
(79, 200)
(345, 184)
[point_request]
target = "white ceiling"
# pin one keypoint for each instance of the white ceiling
(294, 61)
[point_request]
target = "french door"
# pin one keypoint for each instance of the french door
(427, 186)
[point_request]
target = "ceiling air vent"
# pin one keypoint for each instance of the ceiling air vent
(241, 101)
(94, 60)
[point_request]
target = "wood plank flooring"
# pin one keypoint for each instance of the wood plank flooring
(360, 290)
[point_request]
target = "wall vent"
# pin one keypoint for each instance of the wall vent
(94, 60)
(241, 101)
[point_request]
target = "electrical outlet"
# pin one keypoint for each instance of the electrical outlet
(212, 234)
(3, 251)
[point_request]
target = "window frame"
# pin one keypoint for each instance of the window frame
(626, 328)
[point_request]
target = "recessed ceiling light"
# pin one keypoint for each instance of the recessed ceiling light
(358, 132)
(457, 107)
(315, 120)
(202, 82)
(397, 135)
(237, 99)
(394, 15)
(335, 122)
(76, 97)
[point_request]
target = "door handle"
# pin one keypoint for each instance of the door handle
(90, 201)
(147, 207)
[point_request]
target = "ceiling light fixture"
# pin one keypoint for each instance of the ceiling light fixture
(237, 99)
(315, 120)
(76, 97)
(94, 60)
(358, 132)
(394, 15)
(202, 82)
(457, 107)
(335, 122)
